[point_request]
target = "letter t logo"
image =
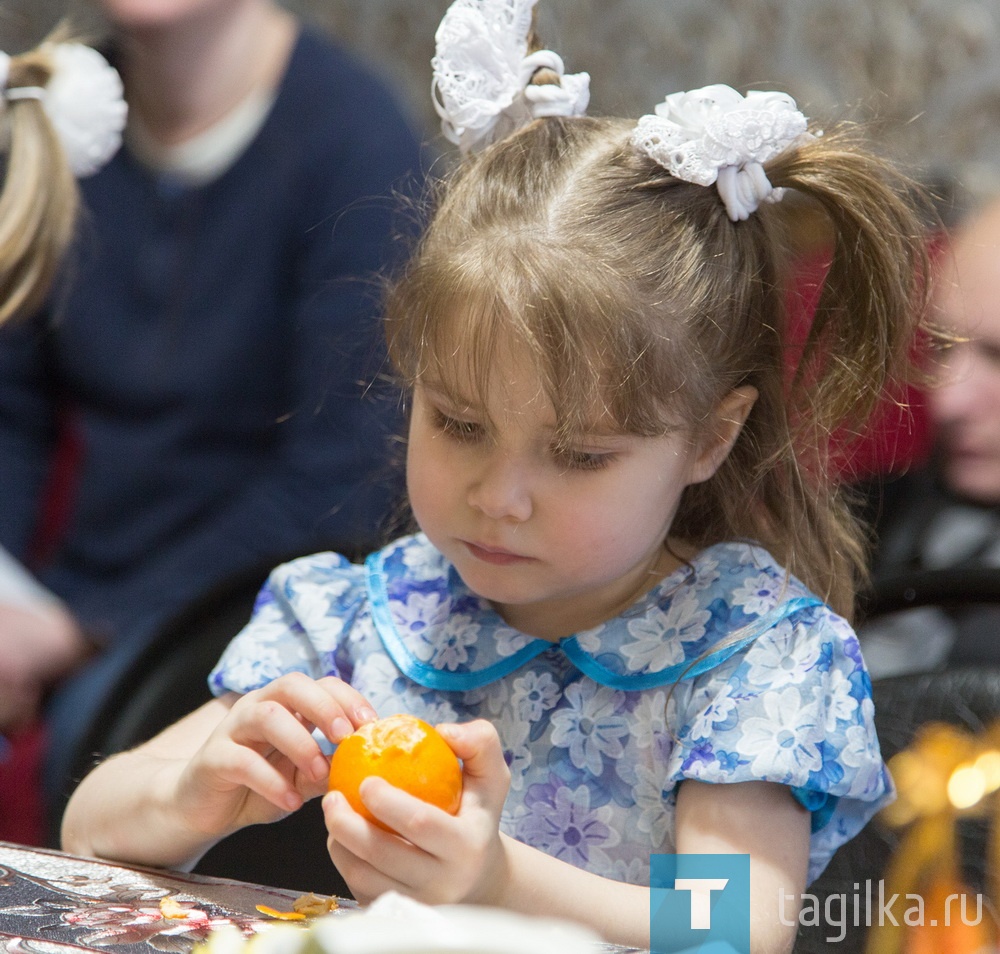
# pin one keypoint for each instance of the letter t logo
(699, 903)
(701, 898)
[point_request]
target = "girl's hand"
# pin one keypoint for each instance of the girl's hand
(439, 858)
(261, 762)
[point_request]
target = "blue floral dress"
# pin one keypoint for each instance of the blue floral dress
(728, 670)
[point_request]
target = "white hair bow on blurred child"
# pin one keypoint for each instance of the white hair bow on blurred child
(83, 100)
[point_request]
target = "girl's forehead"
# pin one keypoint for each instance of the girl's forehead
(471, 347)
(493, 358)
(516, 397)
(508, 380)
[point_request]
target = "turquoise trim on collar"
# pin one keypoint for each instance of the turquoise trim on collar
(687, 669)
(428, 676)
(431, 677)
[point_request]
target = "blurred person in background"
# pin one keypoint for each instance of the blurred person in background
(203, 375)
(61, 117)
(946, 515)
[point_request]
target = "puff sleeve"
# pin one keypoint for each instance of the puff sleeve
(795, 708)
(301, 619)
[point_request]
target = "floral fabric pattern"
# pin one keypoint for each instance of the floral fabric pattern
(727, 671)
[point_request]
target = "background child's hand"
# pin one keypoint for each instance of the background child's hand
(38, 645)
(261, 762)
(443, 858)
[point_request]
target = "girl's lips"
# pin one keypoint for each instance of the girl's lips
(494, 556)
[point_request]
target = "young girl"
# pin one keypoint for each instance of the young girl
(611, 604)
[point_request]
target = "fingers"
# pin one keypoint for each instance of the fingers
(265, 742)
(484, 770)
(486, 780)
(472, 741)
(363, 877)
(436, 857)
(258, 728)
(356, 708)
(329, 704)
(371, 859)
(275, 781)
(425, 825)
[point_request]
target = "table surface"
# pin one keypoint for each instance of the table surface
(55, 903)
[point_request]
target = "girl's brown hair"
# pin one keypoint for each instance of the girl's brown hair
(640, 299)
(39, 198)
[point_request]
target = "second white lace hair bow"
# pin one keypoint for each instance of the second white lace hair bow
(716, 135)
(482, 72)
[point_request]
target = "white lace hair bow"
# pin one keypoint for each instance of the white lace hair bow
(482, 72)
(716, 135)
(84, 102)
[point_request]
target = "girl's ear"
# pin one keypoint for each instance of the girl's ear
(725, 425)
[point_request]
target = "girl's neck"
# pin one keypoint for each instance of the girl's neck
(558, 619)
(182, 78)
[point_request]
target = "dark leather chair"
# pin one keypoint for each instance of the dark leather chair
(947, 586)
(968, 595)
(169, 680)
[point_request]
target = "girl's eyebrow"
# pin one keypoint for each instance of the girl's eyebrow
(447, 396)
(459, 402)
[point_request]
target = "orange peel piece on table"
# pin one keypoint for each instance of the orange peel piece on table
(280, 915)
(172, 910)
(304, 906)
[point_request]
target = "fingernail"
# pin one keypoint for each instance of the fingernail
(320, 768)
(334, 800)
(340, 729)
(365, 714)
(450, 732)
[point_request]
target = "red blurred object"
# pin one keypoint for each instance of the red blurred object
(21, 816)
(58, 494)
(899, 435)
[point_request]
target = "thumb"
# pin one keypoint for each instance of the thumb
(478, 745)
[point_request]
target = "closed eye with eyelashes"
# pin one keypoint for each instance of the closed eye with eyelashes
(470, 431)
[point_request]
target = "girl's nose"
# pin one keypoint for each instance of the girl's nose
(502, 490)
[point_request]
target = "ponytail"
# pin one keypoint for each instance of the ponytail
(875, 294)
(863, 343)
(62, 115)
(39, 198)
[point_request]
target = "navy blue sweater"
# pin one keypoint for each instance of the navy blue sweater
(212, 350)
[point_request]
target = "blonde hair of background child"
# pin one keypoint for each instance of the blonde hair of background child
(639, 298)
(61, 116)
(40, 199)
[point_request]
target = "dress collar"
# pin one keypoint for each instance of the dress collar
(445, 637)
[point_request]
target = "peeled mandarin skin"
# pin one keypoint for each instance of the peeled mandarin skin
(408, 753)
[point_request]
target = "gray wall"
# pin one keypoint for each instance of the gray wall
(926, 72)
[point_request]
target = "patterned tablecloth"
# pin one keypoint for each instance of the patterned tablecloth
(54, 903)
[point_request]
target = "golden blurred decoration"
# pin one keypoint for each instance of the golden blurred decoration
(946, 774)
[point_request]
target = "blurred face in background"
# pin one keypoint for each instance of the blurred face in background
(966, 406)
(156, 14)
